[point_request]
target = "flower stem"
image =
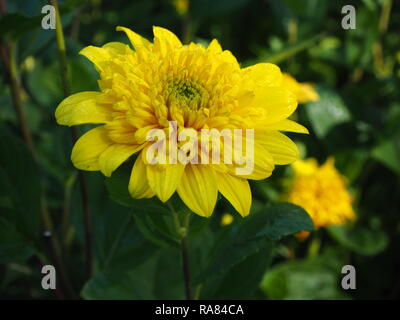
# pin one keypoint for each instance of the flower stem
(8, 56)
(182, 230)
(81, 178)
(185, 257)
(314, 246)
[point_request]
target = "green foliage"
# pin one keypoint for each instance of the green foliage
(19, 199)
(309, 279)
(326, 113)
(256, 232)
(360, 240)
(136, 243)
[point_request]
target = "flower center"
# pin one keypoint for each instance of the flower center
(186, 94)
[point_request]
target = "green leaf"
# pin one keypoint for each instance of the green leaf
(14, 247)
(388, 152)
(13, 25)
(117, 284)
(359, 239)
(152, 218)
(20, 190)
(159, 277)
(291, 50)
(117, 187)
(313, 278)
(156, 224)
(241, 281)
(253, 234)
(327, 112)
(119, 243)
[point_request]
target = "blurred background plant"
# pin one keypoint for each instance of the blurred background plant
(356, 120)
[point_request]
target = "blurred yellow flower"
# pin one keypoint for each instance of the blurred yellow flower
(181, 6)
(226, 219)
(196, 88)
(304, 91)
(321, 191)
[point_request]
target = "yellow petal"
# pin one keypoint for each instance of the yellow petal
(138, 185)
(304, 91)
(97, 55)
(164, 179)
(236, 191)
(137, 40)
(214, 46)
(166, 35)
(287, 125)
(263, 164)
(117, 47)
(282, 148)
(89, 147)
(198, 189)
(81, 108)
(264, 74)
(279, 103)
(114, 156)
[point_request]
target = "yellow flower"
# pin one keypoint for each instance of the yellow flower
(181, 6)
(226, 219)
(321, 191)
(197, 88)
(304, 92)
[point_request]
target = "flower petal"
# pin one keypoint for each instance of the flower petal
(287, 125)
(282, 148)
(198, 189)
(166, 35)
(81, 108)
(114, 156)
(214, 46)
(236, 191)
(87, 150)
(264, 74)
(97, 55)
(137, 40)
(138, 185)
(259, 166)
(279, 103)
(164, 179)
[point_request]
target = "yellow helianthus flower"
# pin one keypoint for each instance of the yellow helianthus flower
(196, 88)
(304, 92)
(321, 191)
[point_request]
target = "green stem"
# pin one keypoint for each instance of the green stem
(182, 230)
(8, 54)
(186, 268)
(314, 246)
(82, 181)
(55, 248)
(385, 15)
(187, 29)
(198, 291)
(67, 207)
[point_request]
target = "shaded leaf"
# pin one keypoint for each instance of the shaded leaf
(359, 239)
(313, 278)
(253, 234)
(327, 112)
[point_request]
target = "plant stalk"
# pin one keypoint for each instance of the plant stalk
(182, 230)
(81, 178)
